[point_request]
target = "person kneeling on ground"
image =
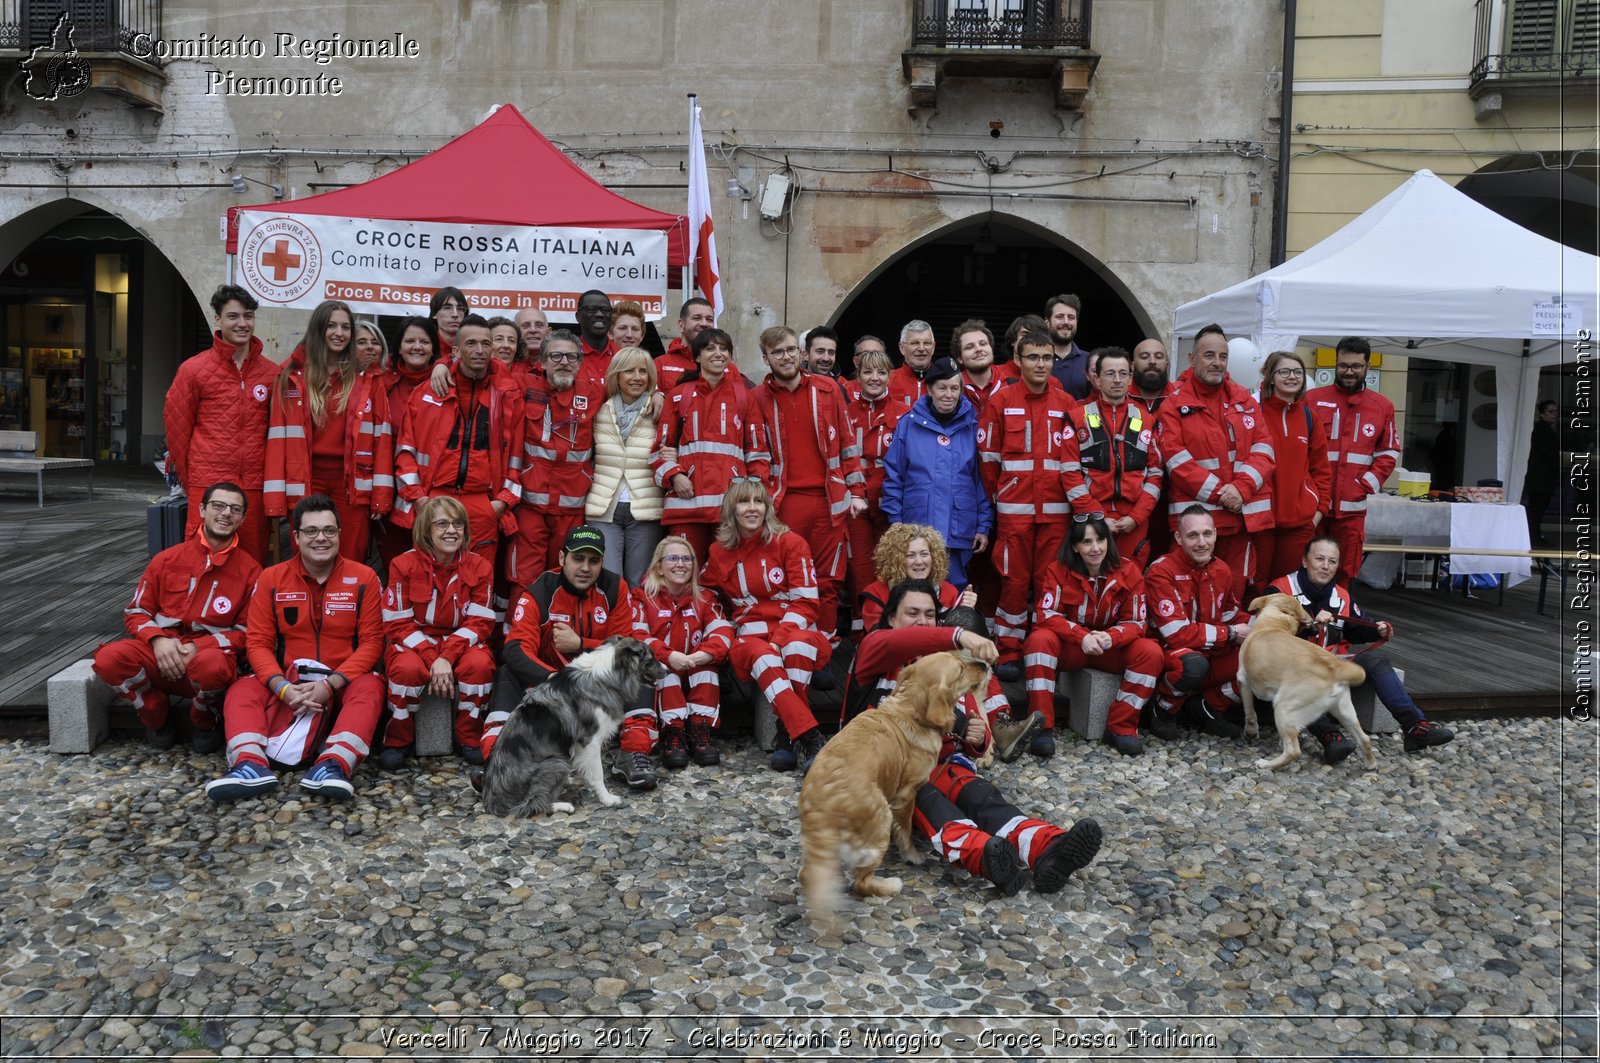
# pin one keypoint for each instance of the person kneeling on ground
(966, 818)
(1338, 625)
(322, 694)
(187, 623)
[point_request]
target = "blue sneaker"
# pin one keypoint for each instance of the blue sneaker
(327, 778)
(1043, 745)
(244, 779)
(783, 756)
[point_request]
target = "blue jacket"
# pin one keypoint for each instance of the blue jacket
(931, 475)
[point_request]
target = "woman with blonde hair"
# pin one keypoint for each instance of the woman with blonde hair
(685, 629)
(909, 551)
(624, 501)
(765, 573)
(437, 619)
(1302, 480)
(372, 350)
(329, 432)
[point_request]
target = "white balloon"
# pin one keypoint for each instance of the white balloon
(1244, 362)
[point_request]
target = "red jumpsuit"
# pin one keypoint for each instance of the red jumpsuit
(1191, 609)
(1301, 485)
(906, 384)
(771, 588)
(432, 611)
(1363, 448)
(687, 625)
(360, 480)
(198, 596)
(1119, 461)
(713, 444)
(323, 628)
(671, 366)
(1030, 469)
(398, 384)
(1211, 437)
(1070, 606)
(872, 424)
(557, 470)
(957, 810)
(216, 422)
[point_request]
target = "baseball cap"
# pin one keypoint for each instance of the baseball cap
(585, 537)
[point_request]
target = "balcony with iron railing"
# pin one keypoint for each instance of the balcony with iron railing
(70, 46)
(1534, 46)
(1000, 39)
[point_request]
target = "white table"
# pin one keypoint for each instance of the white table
(1458, 525)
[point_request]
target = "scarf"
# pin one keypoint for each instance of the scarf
(628, 412)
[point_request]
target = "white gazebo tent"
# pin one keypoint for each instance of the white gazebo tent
(1428, 269)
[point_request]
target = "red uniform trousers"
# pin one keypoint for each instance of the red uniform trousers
(129, 667)
(253, 534)
(806, 513)
(1022, 551)
(677, 698)
(1282, 550)
(392, 539)
(862, 534)
(1350, 532)
(1242, 552)
(344, 733)
(1135, 545)
(959, 812)
(700, 537)
(537, 549)
(1193, 671)
(1046, 655)
(408, 681)
(781, 665)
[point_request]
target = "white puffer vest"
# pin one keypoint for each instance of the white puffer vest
(613, 460)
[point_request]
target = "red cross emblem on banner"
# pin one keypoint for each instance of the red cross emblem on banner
(280, 260)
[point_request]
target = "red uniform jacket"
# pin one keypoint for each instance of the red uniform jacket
(715, 443)
(1191, 608)
(604, 610)
(766, 583)
(1072, 605)
(1119, 460)
(874, 599)
(840, 455)
(1302, 485)
(999, 377)
(686, 623)
(1153, 406)
(438, 610)
(216, 417)
(195, 594)
(558, 444)
(398, 384)
(338, 623)
(877, 666)
(368, 443)
(429, 425)
(1029, 454)
(1363, 445)
(1211, 437)
(671, 366)
(906, 384)
(872, 424)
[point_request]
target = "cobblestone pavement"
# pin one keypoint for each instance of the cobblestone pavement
(1443, 905)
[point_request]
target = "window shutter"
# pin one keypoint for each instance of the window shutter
(1534, 27)
(1584, 36)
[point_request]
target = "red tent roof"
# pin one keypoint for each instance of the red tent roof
(530, 182)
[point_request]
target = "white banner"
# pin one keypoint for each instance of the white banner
(394, 267)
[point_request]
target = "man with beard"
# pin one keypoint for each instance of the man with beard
(972, 344)
(1363, 446)
(1072, 362)
(816, 476)
(557, 456)
(822, 351)
(1150, 384)
(916, 355)
(694, 317)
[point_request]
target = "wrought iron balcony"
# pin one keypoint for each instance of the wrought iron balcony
(67, 46)
(1001, 39)
(1540, 45)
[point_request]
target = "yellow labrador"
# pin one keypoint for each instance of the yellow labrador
(1302, 680)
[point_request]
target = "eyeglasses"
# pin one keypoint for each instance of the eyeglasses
(1287, 373)
(1351, 368)
(318, 533)
(783, 352)
(920, 345)
(449, 525)
(1115, 374)
(225, 507)
(563, 356)
(1085, 518)
(1036, 358)
(677, 559)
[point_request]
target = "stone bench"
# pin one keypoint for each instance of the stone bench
(435, 720)
(16, 455)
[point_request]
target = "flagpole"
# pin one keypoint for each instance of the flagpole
(693, 238)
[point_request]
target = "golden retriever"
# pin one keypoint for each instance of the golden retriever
(862, 788)
(1302, 680)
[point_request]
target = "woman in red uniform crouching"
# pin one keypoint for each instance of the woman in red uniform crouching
(1090, 614)
(437, 618)
(765, 573)
(685, 629)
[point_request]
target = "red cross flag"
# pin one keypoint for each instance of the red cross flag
(702, 241)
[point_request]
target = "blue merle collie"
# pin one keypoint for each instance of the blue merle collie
(564, 723)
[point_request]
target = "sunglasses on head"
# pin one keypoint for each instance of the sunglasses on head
(1085, 518)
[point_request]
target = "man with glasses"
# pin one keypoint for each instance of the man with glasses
(594, 329)
(315, 638)
(1118, 457)
(466, 443)
(916, 355)
(816, 478)
(1363, 446)
(1025, 444)
(187, 623)
(557, 456)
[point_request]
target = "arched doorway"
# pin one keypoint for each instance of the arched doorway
(994, 267)
(93, 318)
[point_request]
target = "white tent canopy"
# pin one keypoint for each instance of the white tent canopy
(1429, 269)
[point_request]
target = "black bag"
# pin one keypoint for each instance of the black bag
(164, 522)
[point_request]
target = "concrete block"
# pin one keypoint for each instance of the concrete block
(1375, 718)
(1091, 693)
(435, 718)
(80, 709)
(765, 723)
